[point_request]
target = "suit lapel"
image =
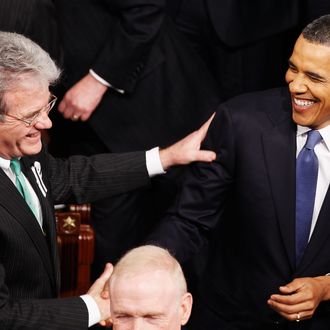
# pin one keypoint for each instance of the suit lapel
(280, 154)
(12, 201)
(49, 224)
(319, 236)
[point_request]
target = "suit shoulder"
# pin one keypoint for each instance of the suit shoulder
(249, 101)
(255, 111)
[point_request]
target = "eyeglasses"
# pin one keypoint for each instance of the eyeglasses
(32, 118)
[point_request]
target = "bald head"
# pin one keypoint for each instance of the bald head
(150, 258)
(149, 283)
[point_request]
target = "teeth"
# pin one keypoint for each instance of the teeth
(303, 103)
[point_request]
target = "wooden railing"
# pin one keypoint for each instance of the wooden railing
(75, 237)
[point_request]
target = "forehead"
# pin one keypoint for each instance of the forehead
(28, 92)
(311, 56)
(145, 293)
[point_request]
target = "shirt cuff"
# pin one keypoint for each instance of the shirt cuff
(154, 165)
(104, 82)
(94, 315)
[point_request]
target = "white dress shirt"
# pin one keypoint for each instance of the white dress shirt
(5, 165)
(104, 82)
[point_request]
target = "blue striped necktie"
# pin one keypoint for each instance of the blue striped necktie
(306, 178)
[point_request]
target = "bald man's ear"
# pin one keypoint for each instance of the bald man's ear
(186, 305)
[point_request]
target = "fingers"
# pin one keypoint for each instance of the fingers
(106, 323)
(81, 100)
(70, 111)
(296, 312)
(292, 287)
(298, 299)
(105, 294)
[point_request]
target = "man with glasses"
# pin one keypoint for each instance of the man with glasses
(32, 181)
(32, 117)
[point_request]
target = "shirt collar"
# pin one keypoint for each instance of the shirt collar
(4, 163)
(325, 133)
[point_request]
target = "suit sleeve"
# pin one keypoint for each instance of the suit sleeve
(203, 196)
(122, 58)
(51, 314)
(82, 179)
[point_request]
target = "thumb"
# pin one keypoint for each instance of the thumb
(203, 129)
(205, 156)
(290, 287)
(100, 283)
(106, 273)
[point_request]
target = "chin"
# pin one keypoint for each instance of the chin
(301, 120)
(31, 150)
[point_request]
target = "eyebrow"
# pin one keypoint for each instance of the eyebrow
(124, 313)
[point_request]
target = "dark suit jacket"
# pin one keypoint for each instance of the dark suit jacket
(241, 22)
(26, 17)
(29, 271)
(250, 188)
(134, 46)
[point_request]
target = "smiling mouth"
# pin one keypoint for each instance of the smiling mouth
(33, 135)
(301, 104)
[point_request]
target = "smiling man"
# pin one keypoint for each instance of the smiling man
(308, 77)
(267, 195)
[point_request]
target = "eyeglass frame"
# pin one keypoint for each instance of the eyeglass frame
(46, 109)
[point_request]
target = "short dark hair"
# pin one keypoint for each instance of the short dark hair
(318, 31)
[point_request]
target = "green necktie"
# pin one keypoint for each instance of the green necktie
(21, 184)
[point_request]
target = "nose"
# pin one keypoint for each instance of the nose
(137, 324)
(43, 121)
(298, 85)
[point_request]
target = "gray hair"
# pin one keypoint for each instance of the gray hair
(20, 56)
(318, 31)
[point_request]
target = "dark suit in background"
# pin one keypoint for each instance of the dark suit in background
(134, 46)
(241, 41)
(250, 188)
(36, 19)
(29, 265)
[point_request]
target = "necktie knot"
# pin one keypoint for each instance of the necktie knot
(15, 166)
(314, 137)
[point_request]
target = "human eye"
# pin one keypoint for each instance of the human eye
(314, 77)
(121, 319)
(31, 117)
(154, 319)
(292, 67)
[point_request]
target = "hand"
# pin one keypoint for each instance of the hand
(102, 298)
(299, 299)
(188, 150)
(105, 294)
(81, 99)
